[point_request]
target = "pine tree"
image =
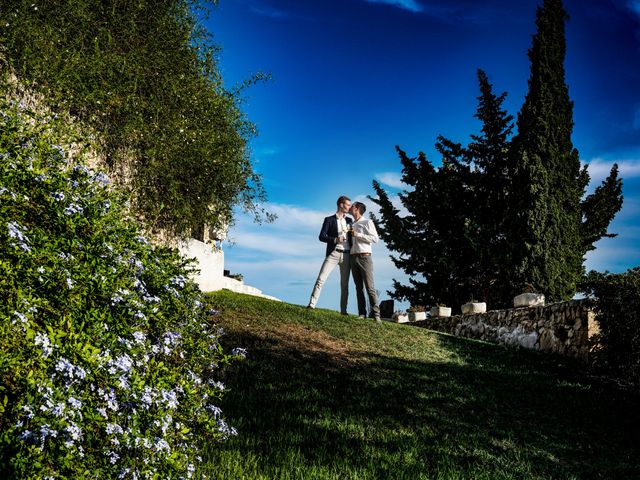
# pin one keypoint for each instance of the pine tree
(548, 237)
(490, 153)
(432, 241)
(454, 234)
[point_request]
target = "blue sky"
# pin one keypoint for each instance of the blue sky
(354, 78)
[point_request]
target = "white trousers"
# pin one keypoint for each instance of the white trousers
(330, 262)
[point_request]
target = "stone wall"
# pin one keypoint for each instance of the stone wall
(565, 328)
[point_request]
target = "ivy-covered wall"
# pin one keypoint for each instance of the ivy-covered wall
(142, 75)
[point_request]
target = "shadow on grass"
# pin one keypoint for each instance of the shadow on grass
(496, 413)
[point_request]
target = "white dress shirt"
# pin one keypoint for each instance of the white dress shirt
(342, 232)
(366, 234)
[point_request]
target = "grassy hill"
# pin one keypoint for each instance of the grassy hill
(324, 396)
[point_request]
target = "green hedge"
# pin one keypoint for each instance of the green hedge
(618, 314)
(108, 361)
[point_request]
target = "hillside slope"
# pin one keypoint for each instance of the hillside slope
(324, 396)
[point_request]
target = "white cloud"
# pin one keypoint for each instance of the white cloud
(613, 255)
(447, 11)
(599, 168)
(391, 179)
(271, 12)
(410, 5)
(294, 217)
(274, 242)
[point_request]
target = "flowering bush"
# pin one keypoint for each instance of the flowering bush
(108, 358)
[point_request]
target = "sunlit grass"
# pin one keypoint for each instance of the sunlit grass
(324, 396)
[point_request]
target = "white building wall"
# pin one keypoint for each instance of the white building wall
(211, 264)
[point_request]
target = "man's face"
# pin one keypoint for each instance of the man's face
(345, 207)
(353, 210)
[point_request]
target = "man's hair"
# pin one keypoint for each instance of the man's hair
(343, 199)
(361, 207)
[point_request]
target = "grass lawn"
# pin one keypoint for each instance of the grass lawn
(325, 396)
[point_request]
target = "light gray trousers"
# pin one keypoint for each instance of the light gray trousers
(330, 262)
(362, 269)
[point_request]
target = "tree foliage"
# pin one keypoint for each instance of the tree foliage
(618, 314)
(142, 74)
(503, 212)
(553, 228)
(456, 221)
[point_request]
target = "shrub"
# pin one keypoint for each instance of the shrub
(108, 358)
(618, 314)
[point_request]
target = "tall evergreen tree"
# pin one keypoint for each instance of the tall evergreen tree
(501, 213)
(454, 235)
(489, 152)
(433, 240)
(548, 237)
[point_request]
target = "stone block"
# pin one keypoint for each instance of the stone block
(547, 340)
(474, 307)
(400, 317)
(417, 316)
(529, 300)
(440, 311)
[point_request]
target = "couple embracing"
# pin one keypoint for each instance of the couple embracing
(349, 246)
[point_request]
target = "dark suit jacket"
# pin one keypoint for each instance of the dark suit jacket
(329, 232)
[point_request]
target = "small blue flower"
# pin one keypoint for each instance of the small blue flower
(81, 169)
(73, 208)
(142, 240)
(241, 352)
(42, 340)
(17, 232)
(22, 318)
(101, 179)
(178, 280)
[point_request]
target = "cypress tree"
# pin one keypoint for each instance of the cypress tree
(551, 227)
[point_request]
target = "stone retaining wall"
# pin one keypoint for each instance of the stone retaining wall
(565, 328)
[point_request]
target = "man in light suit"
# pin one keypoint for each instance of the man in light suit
(364, 234)
(335, 233)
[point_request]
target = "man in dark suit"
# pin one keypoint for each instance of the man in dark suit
(335, 233)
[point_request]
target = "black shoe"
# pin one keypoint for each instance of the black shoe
(309, 307)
